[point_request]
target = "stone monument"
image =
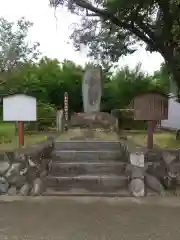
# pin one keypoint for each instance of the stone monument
(92, 117)
(92, 89)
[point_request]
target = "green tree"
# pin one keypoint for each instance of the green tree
(125, 85)
(15, 50)
(47, 80)
(162, 79)
(112, 28)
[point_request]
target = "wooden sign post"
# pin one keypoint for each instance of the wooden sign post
(19, 108)
(66, 110)
(151, 106)
(21, 133)
(150, 130)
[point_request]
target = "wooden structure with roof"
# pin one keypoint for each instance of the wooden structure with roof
(151, 106)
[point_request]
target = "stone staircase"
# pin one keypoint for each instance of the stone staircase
(87, 168)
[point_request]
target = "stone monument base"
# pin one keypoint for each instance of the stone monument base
(94, 120)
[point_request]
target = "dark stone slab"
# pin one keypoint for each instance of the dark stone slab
(83, 192)
(87, 145)
(88, 182)
(157, 169)
(87, 155)
(153, 156)
(76, 168)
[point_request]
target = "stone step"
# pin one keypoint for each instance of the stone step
(72, 155)
(88, 145)
(77, 168)
(94, 183)
(85, 193)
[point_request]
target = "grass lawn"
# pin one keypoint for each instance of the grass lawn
(162, 139)
(9, 141)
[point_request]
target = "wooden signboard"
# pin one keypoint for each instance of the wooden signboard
(151, 106)
(20, 108)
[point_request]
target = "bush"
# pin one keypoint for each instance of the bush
(123, 113)
(130, 124)
(7, 131)
(126, 120)
(46, 118)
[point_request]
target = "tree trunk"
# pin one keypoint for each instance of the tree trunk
(176, 75)
(173, 63)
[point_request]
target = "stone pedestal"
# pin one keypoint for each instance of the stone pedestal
(93, 120)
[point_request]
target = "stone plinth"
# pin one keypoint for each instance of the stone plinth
(93, 120)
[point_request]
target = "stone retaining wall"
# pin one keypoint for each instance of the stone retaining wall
(158, 175)
(23, 171)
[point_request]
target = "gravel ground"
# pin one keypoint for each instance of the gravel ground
(51, 218)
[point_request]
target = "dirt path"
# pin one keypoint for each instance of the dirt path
(90, 219)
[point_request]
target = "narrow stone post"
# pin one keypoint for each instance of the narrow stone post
(59, 120)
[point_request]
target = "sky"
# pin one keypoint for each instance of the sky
(52, 30)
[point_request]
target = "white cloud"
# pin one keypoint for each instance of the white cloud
(53, 33)
(149, 62)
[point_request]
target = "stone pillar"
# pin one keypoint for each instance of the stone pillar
(59, 120)
(92, 90)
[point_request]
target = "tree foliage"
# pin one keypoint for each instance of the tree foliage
(14, 47)
(112, 28)
(48, 79)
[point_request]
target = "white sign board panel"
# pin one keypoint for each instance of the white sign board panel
(19, 107)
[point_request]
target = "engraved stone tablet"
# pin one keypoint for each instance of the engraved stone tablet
(92, 90)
